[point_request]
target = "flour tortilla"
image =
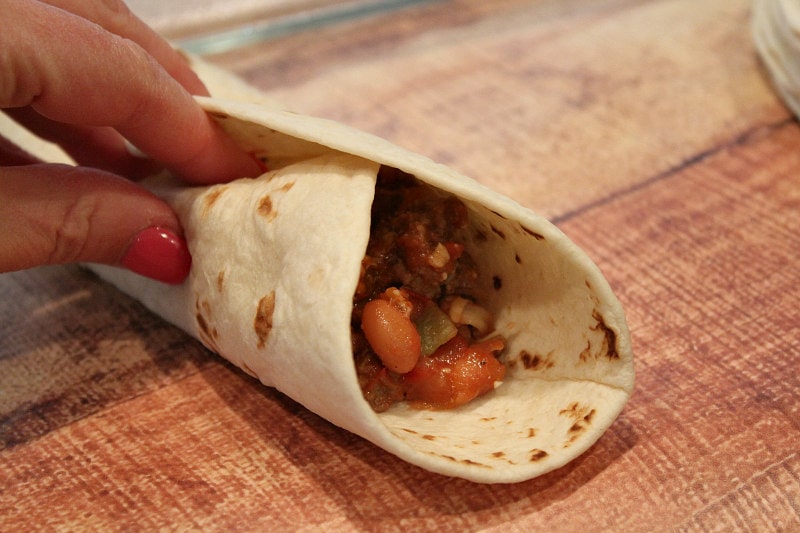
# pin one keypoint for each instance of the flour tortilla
(276, 261)
(776, 33)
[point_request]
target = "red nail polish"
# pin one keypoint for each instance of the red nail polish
(158, 254)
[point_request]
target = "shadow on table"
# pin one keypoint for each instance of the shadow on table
(73, 345)
(373, 488)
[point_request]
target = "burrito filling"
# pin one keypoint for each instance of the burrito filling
(418, 333)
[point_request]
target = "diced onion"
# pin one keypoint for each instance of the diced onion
(466, 312)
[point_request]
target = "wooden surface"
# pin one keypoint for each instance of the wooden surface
(647, 130)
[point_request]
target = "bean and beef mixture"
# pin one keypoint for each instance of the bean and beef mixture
(418, 334)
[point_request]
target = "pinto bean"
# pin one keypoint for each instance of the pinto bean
(392, 335)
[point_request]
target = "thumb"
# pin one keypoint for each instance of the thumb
(55, 214)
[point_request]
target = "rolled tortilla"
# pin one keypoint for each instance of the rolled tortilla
(276, 261)
(776, 34)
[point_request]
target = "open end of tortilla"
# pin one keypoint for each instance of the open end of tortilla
(569, 368)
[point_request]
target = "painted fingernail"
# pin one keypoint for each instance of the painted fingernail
(159, 254)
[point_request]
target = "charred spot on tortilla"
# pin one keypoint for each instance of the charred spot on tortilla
(498, 232)
(211, 198)
(474, 463)
(610, 344)
(538, 455)
(207, 332)
(578, 428)
(517, 258)
(266, 205)
(537, 236)
(419, 332)
(264, 208)
(535, 361)
(262, 323)
(587, 353)
(578, 412)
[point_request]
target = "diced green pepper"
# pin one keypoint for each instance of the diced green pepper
(435, 328)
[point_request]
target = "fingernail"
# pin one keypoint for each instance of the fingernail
(159, 254)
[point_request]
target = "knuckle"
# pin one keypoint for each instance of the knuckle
(71, 233)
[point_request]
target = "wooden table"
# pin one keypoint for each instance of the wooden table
(647, 130)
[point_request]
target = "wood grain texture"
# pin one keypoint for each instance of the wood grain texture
(646, 130)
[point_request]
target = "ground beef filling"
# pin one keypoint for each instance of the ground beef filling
(418, 334)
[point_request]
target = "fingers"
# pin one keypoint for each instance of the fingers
(75, 72)
(62, 214)
(91, 147)
(114, 16)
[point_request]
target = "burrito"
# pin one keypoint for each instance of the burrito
(397, 299)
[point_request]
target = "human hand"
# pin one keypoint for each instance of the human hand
(87, 74)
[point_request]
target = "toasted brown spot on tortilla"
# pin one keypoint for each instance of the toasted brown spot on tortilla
(537, 236)
(518, 259)
(217, 114)
(497, 231)
(265, 208)
(488, 418)
(531, 432)
(498, 214)
(429, 437)
(409, 430)
(473, 463)
(573, 410)
(211, 198)
(499, 454)
(476, 442)
(263, 320)
(537, 455)
(207, 333)
(286, 187)
(497, 282)
(220, 280)
(535, 361)
(581, 415)
(610, 344)
(579, 427)
(586, 354)
(480, 236)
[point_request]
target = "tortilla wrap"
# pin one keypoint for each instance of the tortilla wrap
(276, 261)
(776, 34)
